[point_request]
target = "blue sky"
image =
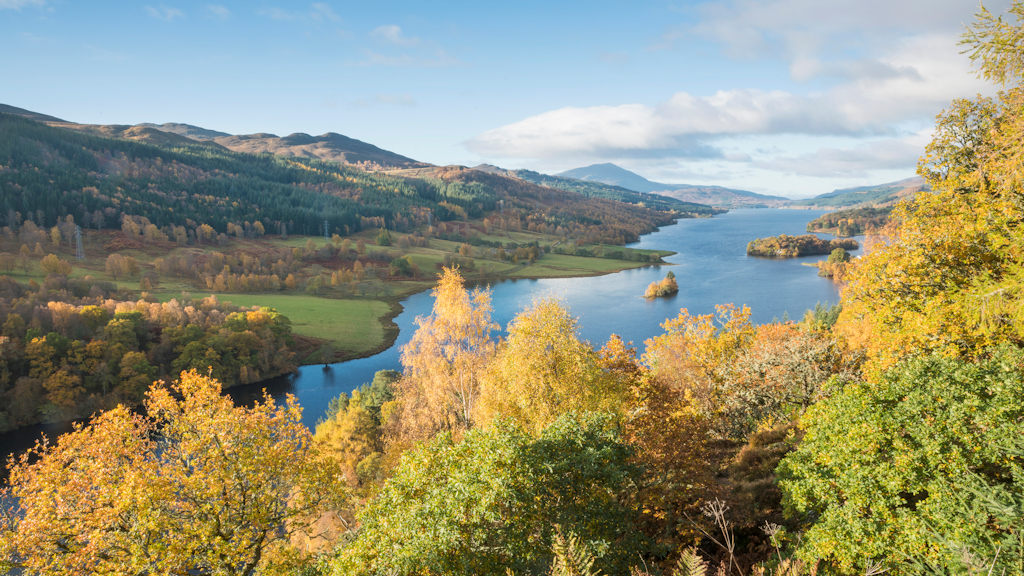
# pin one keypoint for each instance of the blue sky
(789, 97)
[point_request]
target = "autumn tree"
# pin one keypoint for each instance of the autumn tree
(445, 359)
(53, 265)
(543, 370)
(950, 280)
(197, 486)
(696, 356)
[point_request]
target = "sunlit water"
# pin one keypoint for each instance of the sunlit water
(711, 267)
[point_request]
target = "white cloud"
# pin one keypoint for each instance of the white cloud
(164, 13)
(218, 11)
(911, 85)
(855, 162)
(323, 11)
(393, 35)
(19, 4)
(756, 28)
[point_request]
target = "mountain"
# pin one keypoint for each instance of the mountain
(329, 146)
(186, 130)
(717, 196)
(594, 189)
(609, 173)
(877, 196)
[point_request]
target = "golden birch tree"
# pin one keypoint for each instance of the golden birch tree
(543, 370)
(445, 358)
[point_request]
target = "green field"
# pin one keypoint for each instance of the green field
(353, 325)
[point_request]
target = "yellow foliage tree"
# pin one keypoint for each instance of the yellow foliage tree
(198, 486)
(696, 357)
(543, 370)
(445, 359)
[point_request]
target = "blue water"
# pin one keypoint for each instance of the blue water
(711, 267)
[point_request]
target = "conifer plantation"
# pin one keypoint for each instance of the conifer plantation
(884, 435)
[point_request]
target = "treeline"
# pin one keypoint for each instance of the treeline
(851, 222)
(71, 347)
(786, 246)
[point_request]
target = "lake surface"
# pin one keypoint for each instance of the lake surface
(711, 267)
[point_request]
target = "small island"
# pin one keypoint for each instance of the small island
(666, 287)
(786, 246)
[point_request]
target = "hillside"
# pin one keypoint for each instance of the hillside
(187, 130)
(877, 196)
(717, 196)
(5, 109)
(182, 182)
(330, 146)
(594, 189)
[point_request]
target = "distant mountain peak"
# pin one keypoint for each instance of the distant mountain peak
(614, 175)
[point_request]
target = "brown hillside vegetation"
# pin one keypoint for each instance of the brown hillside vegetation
(137, 133)
(329, 146)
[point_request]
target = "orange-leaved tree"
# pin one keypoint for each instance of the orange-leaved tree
(696, 357)
(197, 486)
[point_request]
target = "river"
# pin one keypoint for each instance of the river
(710, 264)
(711, 267)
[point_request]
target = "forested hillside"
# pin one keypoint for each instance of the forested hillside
(49, 173)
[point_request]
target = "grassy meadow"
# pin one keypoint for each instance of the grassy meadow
(354, 319)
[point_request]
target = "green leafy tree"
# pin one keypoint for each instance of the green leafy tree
(492, 502)
(885, 463)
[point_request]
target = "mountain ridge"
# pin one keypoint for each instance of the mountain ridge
(718, 196)
(328, 146)
(871, 196)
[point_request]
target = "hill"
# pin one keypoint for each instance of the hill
(329, 146)
(594, 189)
(179, 182)
(877, 196)
(186, 130)
(717, 196)
(5, 109)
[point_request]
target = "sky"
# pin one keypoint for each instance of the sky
(787, 97)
